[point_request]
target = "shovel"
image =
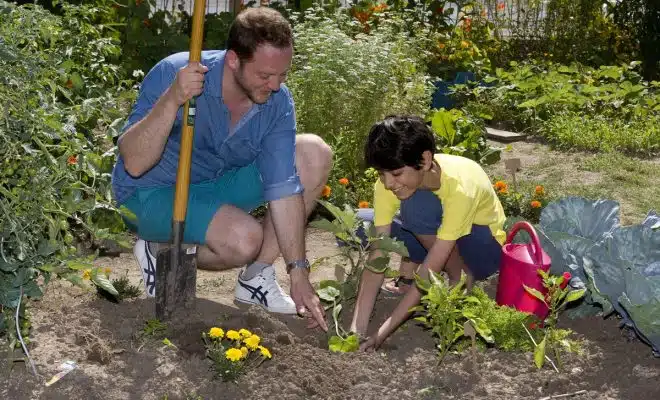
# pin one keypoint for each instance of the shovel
(176, 268)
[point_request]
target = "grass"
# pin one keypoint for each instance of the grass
(633, 182)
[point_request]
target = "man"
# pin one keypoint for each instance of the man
(245, 152)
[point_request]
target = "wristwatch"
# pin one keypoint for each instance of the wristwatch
(297, 264)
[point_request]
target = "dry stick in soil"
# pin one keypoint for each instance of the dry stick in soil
(559, 396)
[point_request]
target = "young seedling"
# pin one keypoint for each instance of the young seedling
(558, 296)
(355, 252)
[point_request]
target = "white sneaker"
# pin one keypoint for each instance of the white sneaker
(263, 290)
(147, 263)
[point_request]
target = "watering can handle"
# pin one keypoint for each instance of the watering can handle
(526, 226)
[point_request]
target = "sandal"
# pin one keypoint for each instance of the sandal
(398, 286)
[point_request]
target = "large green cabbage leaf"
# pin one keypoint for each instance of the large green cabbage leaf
(620, 266)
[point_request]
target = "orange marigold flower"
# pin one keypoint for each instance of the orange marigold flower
(343, 181)
(539, 190)
(69, 84)
(326, 191)
(72, 160)
(441, 45)
(535, 204)
(499, 185)
(363, 204)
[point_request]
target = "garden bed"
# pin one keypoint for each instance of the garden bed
(118, 359)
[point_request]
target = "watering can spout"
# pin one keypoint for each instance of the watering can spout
(519, 268)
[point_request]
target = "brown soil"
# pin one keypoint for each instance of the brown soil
(114, 362)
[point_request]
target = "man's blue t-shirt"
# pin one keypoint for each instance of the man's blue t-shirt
(265, 135)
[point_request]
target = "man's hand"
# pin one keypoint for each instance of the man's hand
(306, 300)
(189, 82)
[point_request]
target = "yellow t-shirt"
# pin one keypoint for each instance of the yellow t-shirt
(467, 196)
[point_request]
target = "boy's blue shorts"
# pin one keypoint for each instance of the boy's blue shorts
(153, 207)
(421, 214)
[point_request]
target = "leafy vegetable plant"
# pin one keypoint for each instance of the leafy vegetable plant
(446, 311)
(346, 226)
(618, 265)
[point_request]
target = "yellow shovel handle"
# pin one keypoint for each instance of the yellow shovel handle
(185, 152)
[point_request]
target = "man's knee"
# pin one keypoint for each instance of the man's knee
(313, 155)
(242, 238)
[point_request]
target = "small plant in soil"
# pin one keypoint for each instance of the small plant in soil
(354, 252)
(461, 319)
(124, 288)
(558, 295)
(447, 312)
(235, 352)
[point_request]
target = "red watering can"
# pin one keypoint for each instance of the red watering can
(519, 266)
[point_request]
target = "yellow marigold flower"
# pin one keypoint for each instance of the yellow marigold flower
(234, 354)
(363, 204)
(465, 44)
(539, 190)
(343, 181)
(265, 352)
(252, 342)
(244, 333)
(326, 191)
(233, 335)
(244, 351)
(216, 333)
(107, 271)
(535, 204)
(87, 274)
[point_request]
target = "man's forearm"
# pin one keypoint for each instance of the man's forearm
(142, 145)
(289, 219)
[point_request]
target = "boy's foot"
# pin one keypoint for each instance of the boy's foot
(263, 290)
(398, 286)
(147, 263)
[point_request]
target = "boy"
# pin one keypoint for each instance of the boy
(451, 219)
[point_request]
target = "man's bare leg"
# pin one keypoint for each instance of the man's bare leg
(235, 238)
(313, 162)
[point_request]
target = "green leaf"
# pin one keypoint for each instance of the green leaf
(539, 354)
(534, 293)
(575, 295)
(328, 293)
(7, 267)
(102, 281)
(47, 247)
(442, 123)
(328, 226)
(389, 244)
(378, 265)
(338, 344)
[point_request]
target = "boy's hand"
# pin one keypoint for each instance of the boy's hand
(371, 344)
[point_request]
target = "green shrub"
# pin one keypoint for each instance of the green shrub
(59, 105)
(599, 133)
(344, 84)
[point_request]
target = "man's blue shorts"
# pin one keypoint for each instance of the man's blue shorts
(153, 207)
(421, 214)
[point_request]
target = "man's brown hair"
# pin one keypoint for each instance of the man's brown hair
(255, 26)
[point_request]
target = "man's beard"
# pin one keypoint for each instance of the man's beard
(239, 81)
